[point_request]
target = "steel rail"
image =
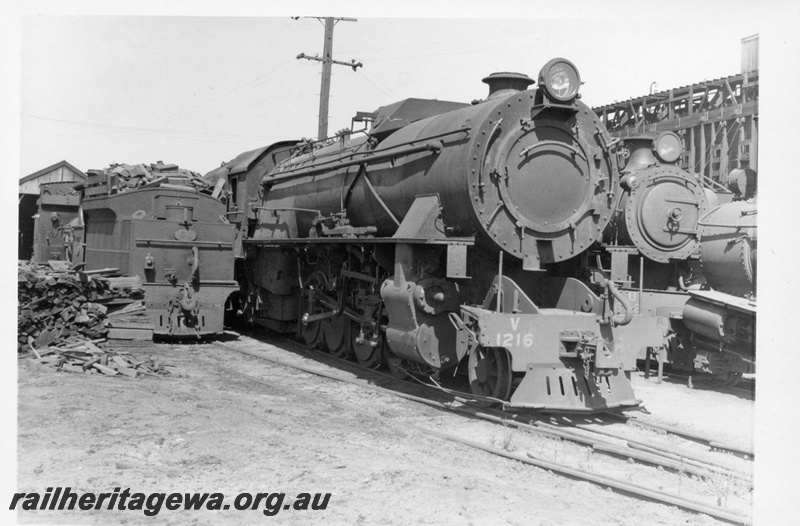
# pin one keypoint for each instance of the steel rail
(747, 452)
(685, 456)
(661, 457)
(667, 455)
(601, 480)
(604, 481)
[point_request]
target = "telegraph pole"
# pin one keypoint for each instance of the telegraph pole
(327, 61)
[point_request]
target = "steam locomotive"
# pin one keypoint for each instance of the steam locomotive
(440, 235)
(511, 235)
(678, 253)
(721, 318)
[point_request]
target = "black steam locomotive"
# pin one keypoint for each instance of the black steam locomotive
(440, 235)
(676, 252)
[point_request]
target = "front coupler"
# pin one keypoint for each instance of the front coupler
(565, 359)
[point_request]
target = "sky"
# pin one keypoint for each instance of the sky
(197, 91)
(95, 82)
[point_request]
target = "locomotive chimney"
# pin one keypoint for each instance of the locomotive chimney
(505, 83)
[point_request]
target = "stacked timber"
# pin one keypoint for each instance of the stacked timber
(58, 304)
(119, 178)
(87, 358)
(129, 325)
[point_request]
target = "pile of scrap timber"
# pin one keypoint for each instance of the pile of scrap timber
(128, 323)
(57, 304)
(87, 358)
(119, 178)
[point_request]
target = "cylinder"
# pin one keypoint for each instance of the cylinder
(705, 319)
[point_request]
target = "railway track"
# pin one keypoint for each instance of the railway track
(745, 388)
(530, 417)
(640, 445)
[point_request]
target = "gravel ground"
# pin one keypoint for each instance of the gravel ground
(208, 428)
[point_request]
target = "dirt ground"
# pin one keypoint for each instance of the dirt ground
(210, 428)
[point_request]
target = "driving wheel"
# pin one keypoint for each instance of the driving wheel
(335, 332)
(367, 354)
(490, 372)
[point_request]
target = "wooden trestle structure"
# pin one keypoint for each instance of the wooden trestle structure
(717, 120)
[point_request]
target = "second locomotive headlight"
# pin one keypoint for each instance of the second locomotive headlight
(668, 147)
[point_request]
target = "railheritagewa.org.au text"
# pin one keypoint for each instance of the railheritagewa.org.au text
(152, 504)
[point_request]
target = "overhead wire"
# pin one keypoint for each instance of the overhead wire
(428, 43)
(388, 91)
(450, 53)
(178, 134)
(185, 134)
(374, 84)
(135, 130)
(248, 86)
(271, 97)
(144, 129)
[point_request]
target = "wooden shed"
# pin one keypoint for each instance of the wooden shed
(61, 172)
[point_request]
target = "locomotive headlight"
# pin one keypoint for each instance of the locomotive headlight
(668, 147)
(560, 79)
